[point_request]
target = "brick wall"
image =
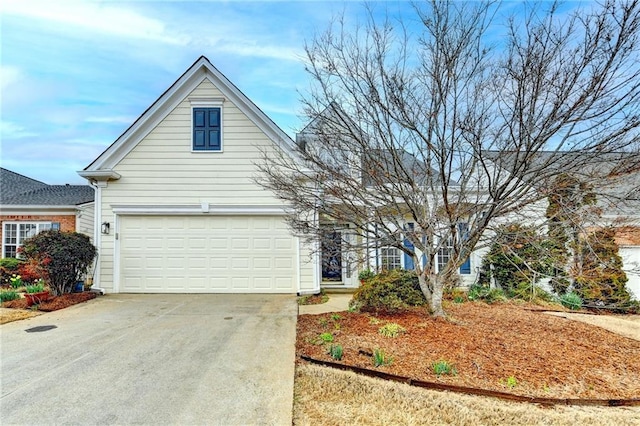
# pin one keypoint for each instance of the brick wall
(67, 222)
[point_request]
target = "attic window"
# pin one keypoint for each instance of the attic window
(207, 129)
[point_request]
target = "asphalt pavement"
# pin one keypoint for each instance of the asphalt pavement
(152, 359)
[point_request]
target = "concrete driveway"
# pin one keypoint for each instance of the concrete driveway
(153, 359)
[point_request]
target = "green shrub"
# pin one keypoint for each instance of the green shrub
(63, 256)
(443, 367)
(389, 291)
(486, 294)
(6, 295)
(366, 275)
(336, 352)
(391, 329)
(518, 257)
(571, 300)
(602, 279)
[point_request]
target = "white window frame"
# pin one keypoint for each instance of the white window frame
(397, 258)
(207, 103)
(40, 226)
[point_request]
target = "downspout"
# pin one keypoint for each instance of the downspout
(97, 234)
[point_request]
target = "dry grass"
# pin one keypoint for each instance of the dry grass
(325, 396)
(10, 315)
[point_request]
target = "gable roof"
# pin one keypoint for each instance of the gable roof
(185, 84)
(24, 191)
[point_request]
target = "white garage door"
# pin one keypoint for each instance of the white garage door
(631, 265)
(214, 254)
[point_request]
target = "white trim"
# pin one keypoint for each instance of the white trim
(196, 210)
(298, 272)
(97, 233)
(116, 255)
(202, 102)
(38, 210)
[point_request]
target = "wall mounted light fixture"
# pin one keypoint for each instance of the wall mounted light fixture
(105, 227)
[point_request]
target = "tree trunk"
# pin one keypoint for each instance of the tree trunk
(436, 300)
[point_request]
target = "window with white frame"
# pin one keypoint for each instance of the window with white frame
(444, 253)
(390, 258)
(14, 233)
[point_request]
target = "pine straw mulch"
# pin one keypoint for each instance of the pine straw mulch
(548, 356)
(54, 303)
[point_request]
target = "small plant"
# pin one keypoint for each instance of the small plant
(374, 321)
(336, 317)
(443, 367)
(391, 329)
(6, 295)
(323, 322)
(571, 300)
(336, 352)
(15, 281)
(326, 337)
(380, 358)
(511, 382)
(36, 287)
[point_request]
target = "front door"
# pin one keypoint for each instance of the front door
(337, 264)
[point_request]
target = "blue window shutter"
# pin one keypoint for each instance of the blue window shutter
(408, 260)
(463, 229)
(465, 268)
(206, 129)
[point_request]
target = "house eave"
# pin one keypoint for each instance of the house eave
(99, 175)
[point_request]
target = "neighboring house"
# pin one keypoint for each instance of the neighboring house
(184, 213)
(28, 206)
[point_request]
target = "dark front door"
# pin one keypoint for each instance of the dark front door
(331, 248)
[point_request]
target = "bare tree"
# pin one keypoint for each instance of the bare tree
(422, 141)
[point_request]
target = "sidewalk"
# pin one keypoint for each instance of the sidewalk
(337, 302)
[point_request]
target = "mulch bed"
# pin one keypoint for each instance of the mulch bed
(487, 344)
(54, 303)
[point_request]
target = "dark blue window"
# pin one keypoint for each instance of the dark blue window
(206, 129)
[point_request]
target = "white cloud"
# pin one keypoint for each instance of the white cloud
(97, 17)
(10, 130)
(110, 120)
(8, 76)
(252, 49)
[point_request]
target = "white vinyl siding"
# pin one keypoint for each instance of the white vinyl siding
(85, 219)
(207, 254)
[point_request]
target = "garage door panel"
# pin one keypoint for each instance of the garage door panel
(206, 254)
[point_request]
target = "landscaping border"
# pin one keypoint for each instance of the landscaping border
(476, 391)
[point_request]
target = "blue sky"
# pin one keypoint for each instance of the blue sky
(75, 74)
